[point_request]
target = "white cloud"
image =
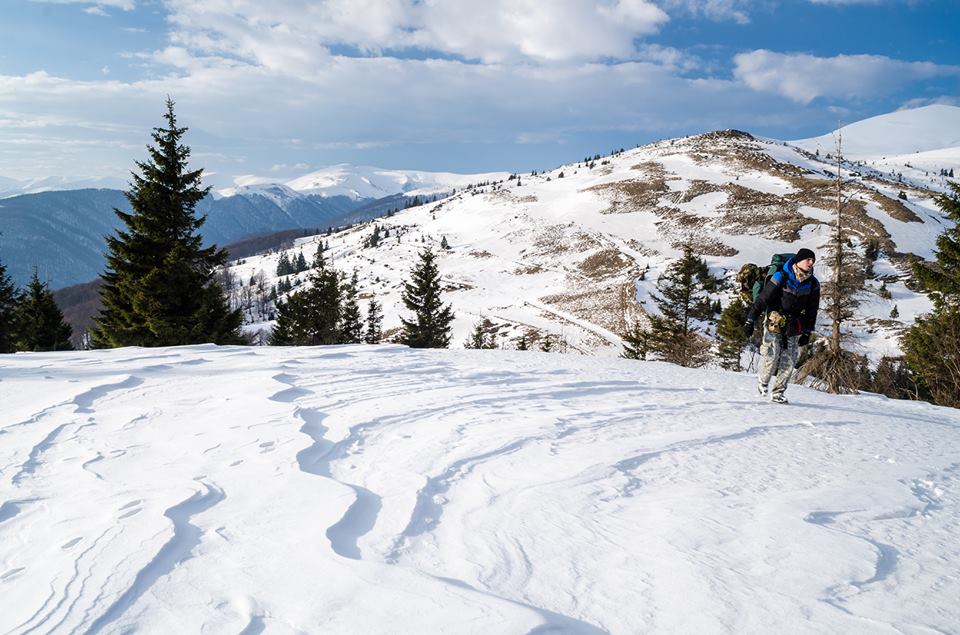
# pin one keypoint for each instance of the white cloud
(96, 5)
(365, 105)
(803, 77)
(719, 10)
(292, 35)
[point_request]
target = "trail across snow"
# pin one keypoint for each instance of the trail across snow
(384, 490)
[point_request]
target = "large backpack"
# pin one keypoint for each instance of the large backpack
(752, 278)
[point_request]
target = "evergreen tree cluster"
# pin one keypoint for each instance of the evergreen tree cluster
(290, 266)
(30, 319)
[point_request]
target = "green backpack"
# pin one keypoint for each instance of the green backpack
(752, 278)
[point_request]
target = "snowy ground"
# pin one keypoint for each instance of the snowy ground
(382, 490)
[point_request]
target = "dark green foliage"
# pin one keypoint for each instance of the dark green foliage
(522, 343)
(730, 333)
(374, 328)
(39, 321)
(9, 298)
(942, 279)
(351, 327)
(444, 244)
(673, 335)
(482, 337)
(932, 345)
(893, 379)
(932, 351)
(633, 342)
(160, 288)
(430, 326)
(311, 317)
(894, 312)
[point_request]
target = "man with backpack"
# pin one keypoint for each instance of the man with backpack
(789, 301)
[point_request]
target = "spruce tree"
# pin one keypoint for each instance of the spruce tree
(39, 321)
(683, 299)
(480, 338)
(159, 288)
(633, 342)
(730, 332)
(932, 345)
(9, 298)
(351, 326)
(430, 326)
(374, 328)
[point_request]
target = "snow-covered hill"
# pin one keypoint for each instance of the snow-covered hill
(914, 145)
(384, 490)
(574, 253)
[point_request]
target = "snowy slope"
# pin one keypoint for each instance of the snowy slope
(574, 253)
(910, 145)
(384, 490)
(902, 132)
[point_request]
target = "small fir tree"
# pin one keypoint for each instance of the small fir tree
(480, 338)
(430, 326)
(160, 287)
(633, 342)
(9, 299)
(351, 326)
(39, 321)
(374, 327)
(674, 335)
(730, 333)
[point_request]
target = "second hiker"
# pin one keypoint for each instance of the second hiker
(789, 301)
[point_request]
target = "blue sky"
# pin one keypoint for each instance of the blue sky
(279, 88)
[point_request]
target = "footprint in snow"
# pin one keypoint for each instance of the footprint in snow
(11, 572)
(71, 543)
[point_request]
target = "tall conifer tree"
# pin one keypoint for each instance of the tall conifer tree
(9, 298)
(351, 325)
(160, 288)
(730, 333)
(39, 321)
(374, 328)
(430, 326)
(932, 345)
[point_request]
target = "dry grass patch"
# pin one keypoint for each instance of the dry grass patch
(605, 263)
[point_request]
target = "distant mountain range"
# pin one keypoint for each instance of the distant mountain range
(61, 231)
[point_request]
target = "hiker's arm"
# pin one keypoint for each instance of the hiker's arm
(766, 294)
(810, 315)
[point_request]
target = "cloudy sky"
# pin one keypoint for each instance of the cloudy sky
(280, 88)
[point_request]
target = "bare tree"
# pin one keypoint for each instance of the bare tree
(833, 368)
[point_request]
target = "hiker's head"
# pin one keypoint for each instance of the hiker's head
(805, 259)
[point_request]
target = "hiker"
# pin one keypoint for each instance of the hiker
(789, 301)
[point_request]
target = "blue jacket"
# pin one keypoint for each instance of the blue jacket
(795, 300)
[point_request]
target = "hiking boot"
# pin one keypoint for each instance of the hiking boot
(762, 389)
(778, 399)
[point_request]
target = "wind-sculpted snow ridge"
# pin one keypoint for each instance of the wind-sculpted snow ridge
(378, 489)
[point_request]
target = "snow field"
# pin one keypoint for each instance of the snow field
(383, 490)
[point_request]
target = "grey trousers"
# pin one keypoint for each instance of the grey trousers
(777, 360)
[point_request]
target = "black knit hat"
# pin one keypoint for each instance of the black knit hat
(805, 253)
